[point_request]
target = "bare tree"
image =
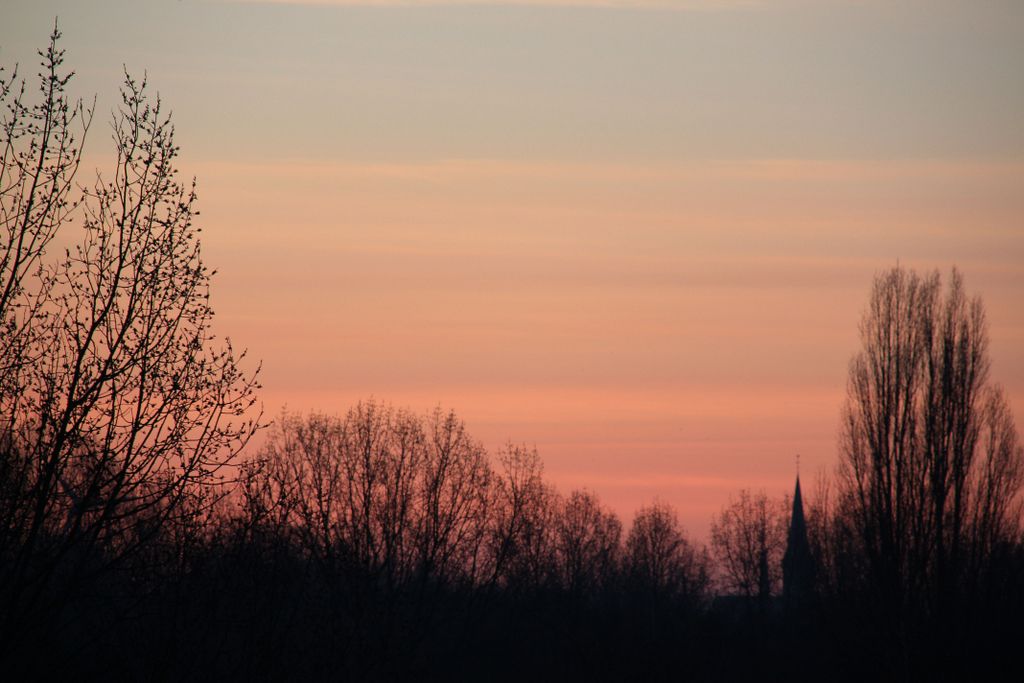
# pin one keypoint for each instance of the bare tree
(454, 494)
(392, 511)
(588, 540)
(931, 468)
(118, 404)
(522, 542)
(661, 561)
(380, 492)
(748, 539)
(42, 148)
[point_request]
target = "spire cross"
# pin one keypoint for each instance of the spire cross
(798, 464)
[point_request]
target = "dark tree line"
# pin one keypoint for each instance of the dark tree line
(419, 547)
(139, 541)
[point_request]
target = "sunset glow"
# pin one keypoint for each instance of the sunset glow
(639, 236)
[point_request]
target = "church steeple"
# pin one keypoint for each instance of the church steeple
(797, 563)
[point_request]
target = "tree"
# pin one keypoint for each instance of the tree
(522, 530)
(453, 501)
(931, 467)
(748, 539)
(588, 540)
(119, 406)
(389, 509)
(380, 495)
(661, 562)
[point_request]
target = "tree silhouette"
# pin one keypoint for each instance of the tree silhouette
(588, 541)
(382, 544)
(661, 562)
(119, 406)
(748, 538)
(931, 468)
(522, 533)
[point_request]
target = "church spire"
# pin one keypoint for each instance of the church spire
(797, 563)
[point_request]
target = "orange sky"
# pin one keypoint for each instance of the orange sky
(673, 330)
(636, 235)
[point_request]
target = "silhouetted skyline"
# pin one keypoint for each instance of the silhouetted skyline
(156, 522)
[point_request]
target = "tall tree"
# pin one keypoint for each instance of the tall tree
(931, 467)
(118, 404)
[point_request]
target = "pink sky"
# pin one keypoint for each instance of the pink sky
(678, 331)
(636, 235)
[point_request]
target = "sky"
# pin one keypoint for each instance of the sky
(636, 235)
